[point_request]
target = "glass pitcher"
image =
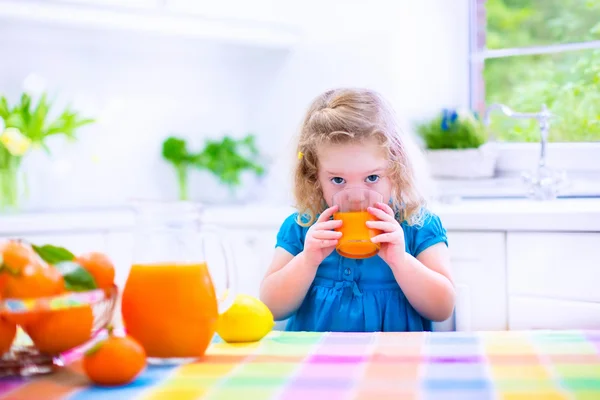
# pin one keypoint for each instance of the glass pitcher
(169, 303)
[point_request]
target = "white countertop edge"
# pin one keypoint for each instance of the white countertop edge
(484, 215)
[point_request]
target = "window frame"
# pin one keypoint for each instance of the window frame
(516, 156)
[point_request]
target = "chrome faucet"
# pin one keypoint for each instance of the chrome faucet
(543, 183)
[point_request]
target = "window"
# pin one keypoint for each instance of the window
(526, 53)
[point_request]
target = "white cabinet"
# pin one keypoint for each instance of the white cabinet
(252, 251)
(543, 313)
(478, 264)
(246, 259)
(553, 280)
(561, 265)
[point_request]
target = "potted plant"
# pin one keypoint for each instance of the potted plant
(23, 127)
(457, 146)
(226, 159)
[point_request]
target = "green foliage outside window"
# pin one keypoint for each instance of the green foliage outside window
(568, 83)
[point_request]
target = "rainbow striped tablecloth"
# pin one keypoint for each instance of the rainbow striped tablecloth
(489, 365)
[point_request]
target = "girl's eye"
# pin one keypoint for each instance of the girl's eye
(337, 180)
(372, 178)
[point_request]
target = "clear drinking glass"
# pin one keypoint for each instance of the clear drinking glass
(356, 236)
(169, 302)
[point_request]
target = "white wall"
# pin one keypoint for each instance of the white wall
(414, 53)
(144, 88)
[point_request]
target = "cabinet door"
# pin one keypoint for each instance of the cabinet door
(554, 265)
(478, 266)
(252, 252)
(246, 260)
(541, 313)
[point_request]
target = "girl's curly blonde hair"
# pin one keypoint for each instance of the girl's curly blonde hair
(353, 115)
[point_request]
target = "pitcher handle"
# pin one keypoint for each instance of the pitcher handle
(226, 299)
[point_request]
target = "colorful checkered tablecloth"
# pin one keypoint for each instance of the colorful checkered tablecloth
(285, 365)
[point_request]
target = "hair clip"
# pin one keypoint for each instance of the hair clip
(300, 155)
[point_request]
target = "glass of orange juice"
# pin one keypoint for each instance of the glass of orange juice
(356, 236)
(170, 303)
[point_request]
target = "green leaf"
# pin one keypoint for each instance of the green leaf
(4, 108)
(94, 349)
(53, 254)
(77, 278)
(175, 150)
(6, 268)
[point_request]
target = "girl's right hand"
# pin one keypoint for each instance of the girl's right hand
(321, 239)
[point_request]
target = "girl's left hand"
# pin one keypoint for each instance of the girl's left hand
(393, 248)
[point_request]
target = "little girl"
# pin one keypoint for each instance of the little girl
(348, 139)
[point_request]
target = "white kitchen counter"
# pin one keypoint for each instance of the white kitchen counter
(485, 215)
(473, 215)
(509, 254)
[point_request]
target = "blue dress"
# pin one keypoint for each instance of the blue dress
(351, 295)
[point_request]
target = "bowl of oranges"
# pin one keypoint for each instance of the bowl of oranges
(52, 302)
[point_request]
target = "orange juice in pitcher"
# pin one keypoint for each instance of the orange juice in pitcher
(169, 301)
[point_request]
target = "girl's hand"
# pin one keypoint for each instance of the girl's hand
(393, 247)
(320, 239)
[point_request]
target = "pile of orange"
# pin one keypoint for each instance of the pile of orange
(24, 275)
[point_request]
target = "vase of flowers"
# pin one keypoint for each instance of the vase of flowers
(13, 145)
(23, 127)
(458, 146)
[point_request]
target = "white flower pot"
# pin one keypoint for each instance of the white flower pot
(463, 163)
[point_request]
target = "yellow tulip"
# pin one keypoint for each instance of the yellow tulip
(15, 142)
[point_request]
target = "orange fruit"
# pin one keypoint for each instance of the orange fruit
(54, 332)
(23, 318)
(115, 361)
(99, 266)
(8, 331)
(16, 255)
(36, 279)
(3, 280)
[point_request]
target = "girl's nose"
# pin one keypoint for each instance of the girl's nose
(356, 195)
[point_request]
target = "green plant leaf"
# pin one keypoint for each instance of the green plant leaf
(6, 268)
(463, 133)
(38, 117)
(53, 254)
(4, 108)
(228, 158)
(175, 150)
(16, 121)
(94, 349)
(77, 278)
(33, 119)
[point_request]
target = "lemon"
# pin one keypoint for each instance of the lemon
(247, 320)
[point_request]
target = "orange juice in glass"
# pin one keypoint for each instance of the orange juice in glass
(170, 302)
(352, 210)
